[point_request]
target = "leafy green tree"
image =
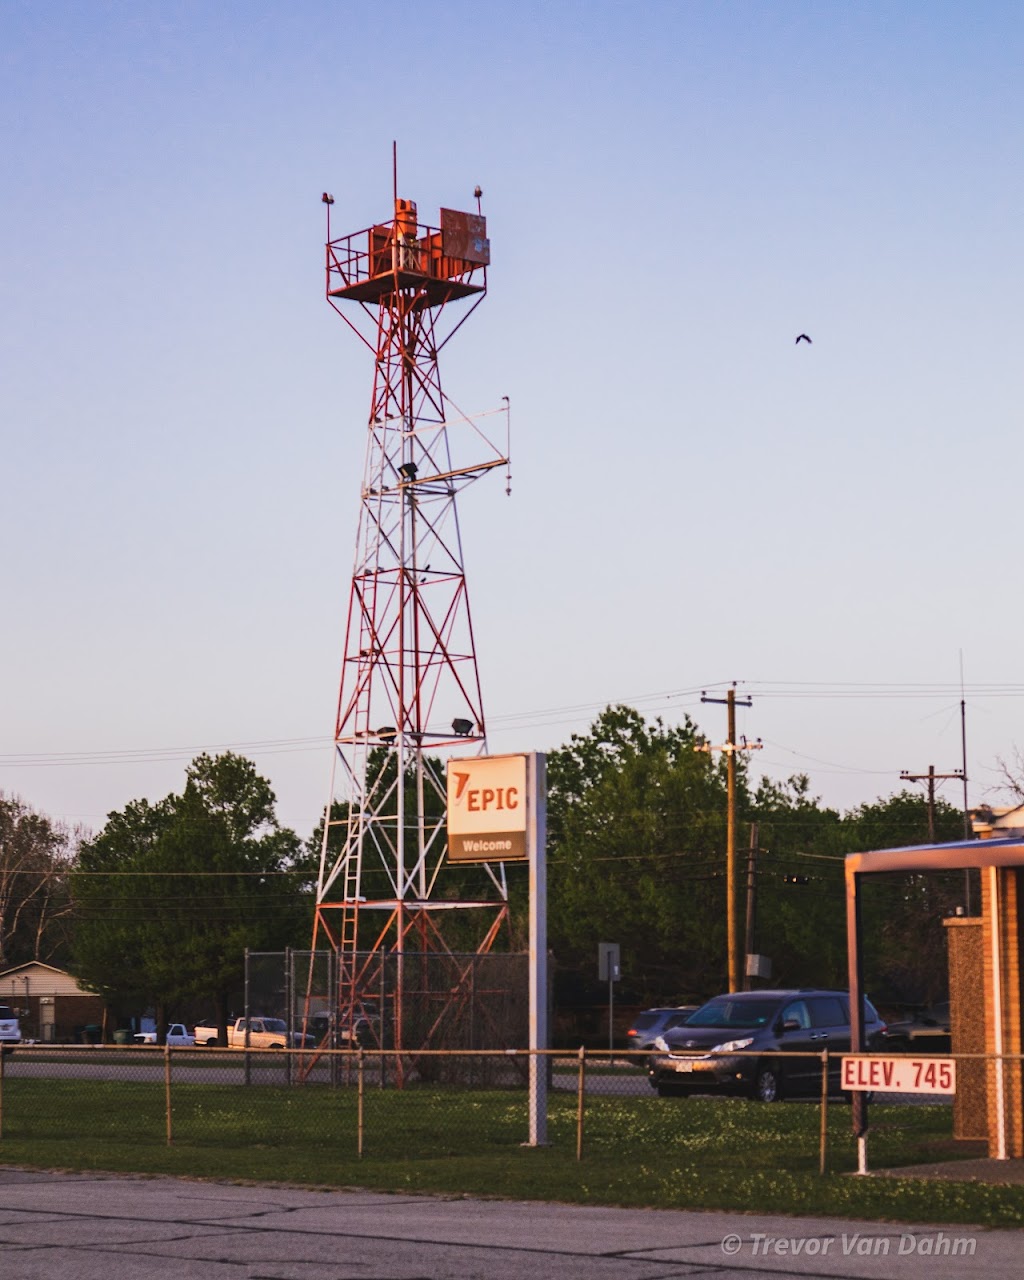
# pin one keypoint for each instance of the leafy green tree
(801, 914)
(636, 819)
(169, 895)
(904, 942)
(637, 826)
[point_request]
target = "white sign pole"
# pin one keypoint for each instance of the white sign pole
(536, 830)
(997, 1008)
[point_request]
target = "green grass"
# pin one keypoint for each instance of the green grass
(663, 1153)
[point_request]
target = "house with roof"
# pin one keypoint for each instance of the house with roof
(51, 1006)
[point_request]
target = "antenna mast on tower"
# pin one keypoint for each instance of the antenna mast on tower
(410, 688)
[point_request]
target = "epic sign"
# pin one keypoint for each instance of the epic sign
(487, 809)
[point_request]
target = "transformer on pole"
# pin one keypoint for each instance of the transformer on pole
(410, 688)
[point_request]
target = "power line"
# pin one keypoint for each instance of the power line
(865, 690)
(156, 755)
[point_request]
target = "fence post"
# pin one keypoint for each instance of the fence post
(824, 1108)
(579, 1101)
(359, 1104)
(248, 1021)
(289, 995)
(167, 1090)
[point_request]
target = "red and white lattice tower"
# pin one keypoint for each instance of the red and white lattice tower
(410, 690)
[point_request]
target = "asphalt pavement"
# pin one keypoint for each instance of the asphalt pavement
(105, 1227)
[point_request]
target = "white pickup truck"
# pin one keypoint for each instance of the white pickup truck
(264, 1033)
(178, 1035)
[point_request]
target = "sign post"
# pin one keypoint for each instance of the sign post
(497, 812)
(863, 1073)
(536, 833)
(609, 970)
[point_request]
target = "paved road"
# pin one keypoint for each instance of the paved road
(97, 1227)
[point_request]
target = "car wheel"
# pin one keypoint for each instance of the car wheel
(767, 1085)
(670, 1091)
(212, 1044)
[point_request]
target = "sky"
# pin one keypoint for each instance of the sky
(674, 192)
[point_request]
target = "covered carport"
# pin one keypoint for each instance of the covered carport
(1000, 861)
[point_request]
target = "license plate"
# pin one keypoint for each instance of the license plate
(684, 1066)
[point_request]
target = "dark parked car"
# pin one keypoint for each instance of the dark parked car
(650, 1024)
(351, 1033)
(703, 1056)
(926, 1032)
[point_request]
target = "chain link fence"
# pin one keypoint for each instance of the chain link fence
(386, 1105)
(436, 1000)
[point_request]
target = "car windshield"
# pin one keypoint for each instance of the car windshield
(274, 1024)
(727, 1012)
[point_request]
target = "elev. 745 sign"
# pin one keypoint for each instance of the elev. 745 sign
(901, 1074)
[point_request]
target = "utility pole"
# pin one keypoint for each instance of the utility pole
(748, 938)
(931, 777)
(730, 748)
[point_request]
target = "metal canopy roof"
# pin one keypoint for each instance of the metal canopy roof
(957, 856)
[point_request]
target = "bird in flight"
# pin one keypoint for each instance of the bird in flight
(803, 338)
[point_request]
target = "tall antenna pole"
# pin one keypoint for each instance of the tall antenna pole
(963, 771)
(967, 814)
(963, 747)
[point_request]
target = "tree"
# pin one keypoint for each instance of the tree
(636, 823)
(169, 895)
(904, 942)
(801, 909)
(636, 817)
(34, 906)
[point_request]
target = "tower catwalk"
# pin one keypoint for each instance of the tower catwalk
(410, 690)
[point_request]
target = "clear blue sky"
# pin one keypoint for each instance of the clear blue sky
(674, 191)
